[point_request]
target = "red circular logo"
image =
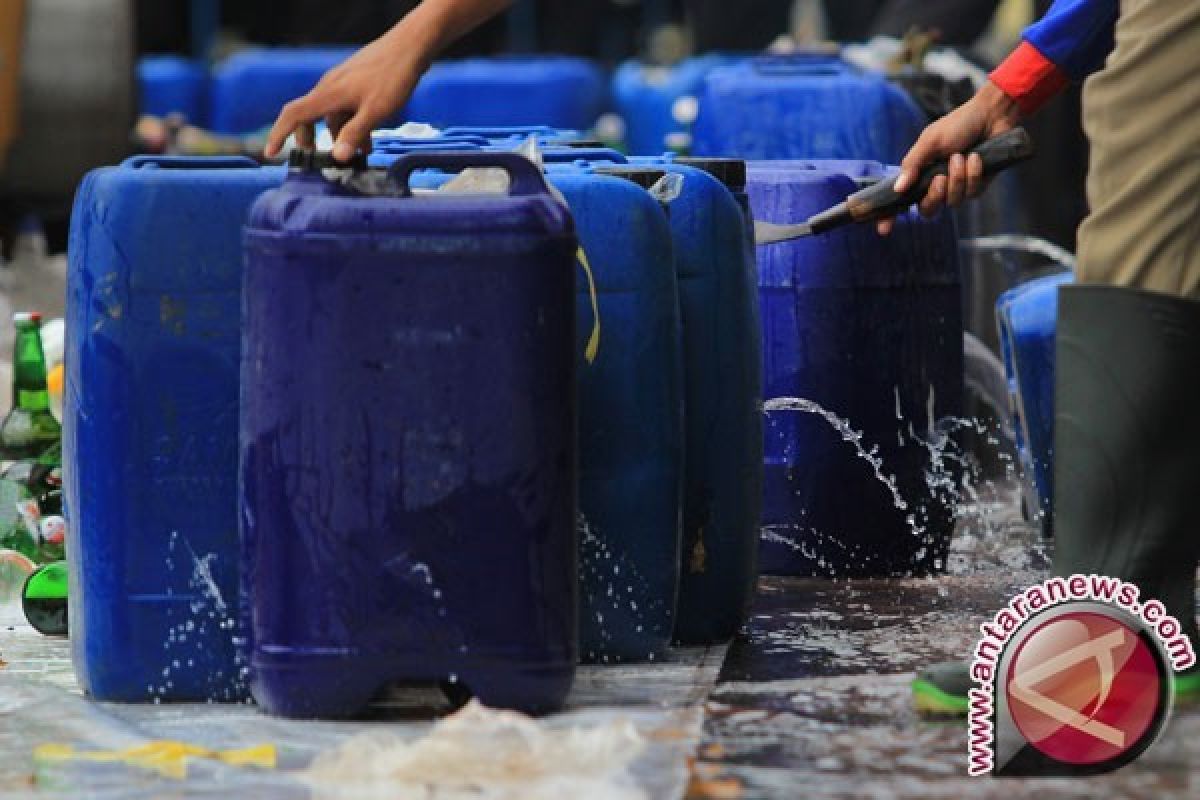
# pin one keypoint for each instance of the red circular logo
(1084, 688)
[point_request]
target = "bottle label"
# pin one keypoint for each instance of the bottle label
(33, 399)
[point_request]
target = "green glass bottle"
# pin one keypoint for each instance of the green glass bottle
(42, 477)
(30, 428)
(44, 599)
(15, 533)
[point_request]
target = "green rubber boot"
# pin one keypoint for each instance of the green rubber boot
(1127, 449)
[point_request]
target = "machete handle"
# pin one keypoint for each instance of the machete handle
(882, 199)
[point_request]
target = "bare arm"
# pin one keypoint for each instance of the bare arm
(367, 88)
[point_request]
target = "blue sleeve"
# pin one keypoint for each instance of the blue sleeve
(1076, 35)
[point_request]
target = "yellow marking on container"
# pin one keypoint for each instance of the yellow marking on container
(593, 345)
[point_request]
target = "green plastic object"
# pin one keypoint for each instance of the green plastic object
(44, 599)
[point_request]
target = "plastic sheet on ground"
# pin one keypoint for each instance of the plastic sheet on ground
(653, 712)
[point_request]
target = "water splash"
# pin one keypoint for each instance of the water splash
(203, 582)
(953, 481)
(190, 641)
(848, 434)
(1019, 243)
(804, 539)
(614, 595)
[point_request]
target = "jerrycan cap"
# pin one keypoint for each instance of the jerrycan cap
(316, 160)
(663, 186)
(729, 171)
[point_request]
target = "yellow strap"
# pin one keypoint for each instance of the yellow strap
(164, 757)
(593, 345)
(261, 756)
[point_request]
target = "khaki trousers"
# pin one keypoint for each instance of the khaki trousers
(1142, 117)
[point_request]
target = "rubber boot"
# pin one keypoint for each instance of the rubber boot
(1126, 458)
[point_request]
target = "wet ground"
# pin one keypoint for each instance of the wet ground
(40, 703)
(812, 700)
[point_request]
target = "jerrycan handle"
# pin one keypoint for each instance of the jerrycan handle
(190, 162)
(811, 64)
(571, 155)
(524, 176)
(499, 131)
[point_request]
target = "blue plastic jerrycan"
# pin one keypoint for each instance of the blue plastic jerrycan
(804, 107)
(150, 425)
(383, 140)
(582, 155)
(552, 151)
(385, 155)
(630, 384)
(657, 101)
(551, 91)
(869, 329)
(1027, 318)
(173, 85)
(386, 151)
(630, 413)
(718, 295)
(409, 439)
(545, 134)
(249, 88)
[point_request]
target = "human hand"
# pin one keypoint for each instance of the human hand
(988, 114)
(353, 97)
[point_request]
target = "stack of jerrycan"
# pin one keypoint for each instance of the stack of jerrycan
(717, 293)
(630, 385)
(173, 85)
(150, 425)
(862, 348)
(408, 507)
(249, 88)
(555, 91)
(714, 269)
(657, 102)
(804, 106)
(1027, 318)
(550, 149)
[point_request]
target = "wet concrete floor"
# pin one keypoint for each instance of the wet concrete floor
(813, 700)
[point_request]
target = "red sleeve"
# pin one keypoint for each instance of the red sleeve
(1029, 78)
